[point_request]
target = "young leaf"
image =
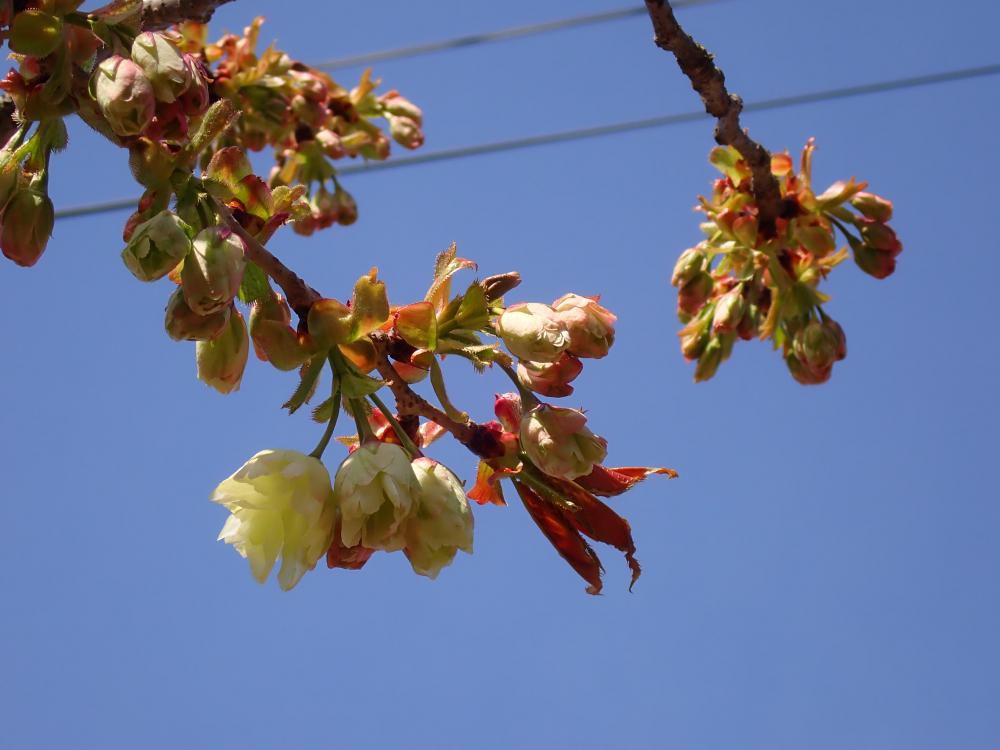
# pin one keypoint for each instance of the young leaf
(473, 312)
(354, 385)
(325, 411)
(254, 286)
(445, 266)
(563, 536)
(309, 376)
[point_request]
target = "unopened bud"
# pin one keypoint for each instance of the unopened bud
(330, 143)
(805, 374)
(394, 104)
(879, 236)
(28, 219)
(729, 310)
(183, 324)
(213, 271)
(329, 322)
(124, 95)
(151, 162)
(347, 208)
(163, 63)
(694, 293)
(816, 346)
(274, 340)
(157, 246)
(689, 264)
(550, 378)
(709, 361)
(406, 132)
(873, 206)
(745, 229)
(877, 263)
(221, 360)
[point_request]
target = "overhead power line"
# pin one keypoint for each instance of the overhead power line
(500, 35)
(563, 136)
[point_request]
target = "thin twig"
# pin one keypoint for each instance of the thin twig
(299, 294)
(709, 81)
(159, 14)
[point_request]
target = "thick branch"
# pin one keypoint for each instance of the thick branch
(299, 294)
(709, 81)
(158, 14)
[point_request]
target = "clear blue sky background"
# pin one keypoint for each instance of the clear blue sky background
(822, 575)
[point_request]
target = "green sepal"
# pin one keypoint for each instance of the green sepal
(254, 286)
(308, 378)
(437, 382)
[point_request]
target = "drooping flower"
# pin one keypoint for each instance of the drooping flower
(533, 331)
(550, 378)
(376, 492)
(442, 523)
(558, 441)
(124, 94)
(157, 246)
(280, 503)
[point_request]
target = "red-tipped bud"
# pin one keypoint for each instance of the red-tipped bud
(873, 206)
(692, 295)
(507, 407)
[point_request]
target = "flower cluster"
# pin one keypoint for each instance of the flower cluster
(387, 496)
(282, 503)
(742, 282)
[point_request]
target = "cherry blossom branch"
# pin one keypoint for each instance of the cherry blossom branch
(709, 81)
(158, 14)
(298, 293)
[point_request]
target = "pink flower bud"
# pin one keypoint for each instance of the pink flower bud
(550, 378)
(879, 236)
(694, 293)
(406, 132)
(124, 95)
(591, 327)
(397, 105)
(558, 441)
(507, 407)
(533, 331)
(163, 63)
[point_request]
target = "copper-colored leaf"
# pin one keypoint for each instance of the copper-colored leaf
(608, 482)
(597, 521)
(487, 488)
(564, 537)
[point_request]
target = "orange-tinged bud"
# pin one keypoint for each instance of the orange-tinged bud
(693, 294)
(817, 346)
(329, 322)
(745, 228)
(406, 132)
(273, 338)
(591, 327)
(805, 374)
(729, 310)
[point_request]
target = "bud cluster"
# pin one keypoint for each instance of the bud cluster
(748, 281)
(306, 117)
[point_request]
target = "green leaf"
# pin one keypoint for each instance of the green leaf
(216, 121)
(473, 312)
(437, 382)
(369, 306)
(325, 411)
(254, 286)
(309, 377)
(353, 385)
(728, 161)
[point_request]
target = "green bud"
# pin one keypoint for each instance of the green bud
(695, 293)
(157, 246)
(816, 346)
(709, 361)
(329, 323)
(689, 264)
(729, 310)
(183, 324)
(274, 340)
(873, 206)
(151, 162)
(213, 271)
(221, 360)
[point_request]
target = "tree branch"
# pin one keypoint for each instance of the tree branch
(158, 14)
(709, 81)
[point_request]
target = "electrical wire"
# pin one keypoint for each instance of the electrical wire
(545, 139)
(500, 35)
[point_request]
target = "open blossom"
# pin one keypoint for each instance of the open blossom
(376, 492)
(442, 523)
(533, 331)
(591, 327)
(281, 505)
(558, 441)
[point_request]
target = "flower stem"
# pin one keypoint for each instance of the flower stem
(331, 425)
(404, 438)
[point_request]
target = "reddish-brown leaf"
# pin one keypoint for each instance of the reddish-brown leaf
(559, 530)
(610, 482)
(596, 520)
(349, 558)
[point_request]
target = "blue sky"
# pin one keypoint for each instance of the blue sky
(822, 575)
